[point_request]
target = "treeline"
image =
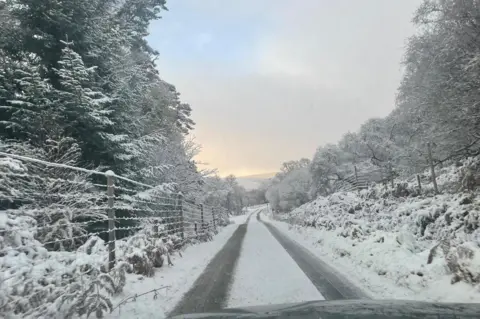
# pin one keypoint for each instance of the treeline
(437, 115)
(79, 85)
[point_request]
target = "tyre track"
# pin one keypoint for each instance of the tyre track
(328, 282)
(210, 290)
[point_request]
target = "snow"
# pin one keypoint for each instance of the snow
(178, 279)
(8, 163)
(388, 265)
(109, 173)
(3, 220)
(240, 219)
(265, 273)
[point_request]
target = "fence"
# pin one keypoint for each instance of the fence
(62, 207)
(363, 179)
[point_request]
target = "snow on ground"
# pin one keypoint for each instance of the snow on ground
(240, 219)
(179, 278)
(252, 210)
(265, 273)
(383, 244)
(400, 243)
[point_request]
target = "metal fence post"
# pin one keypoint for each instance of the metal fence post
(111, 219)
(201, 218)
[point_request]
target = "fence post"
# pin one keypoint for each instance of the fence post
(213, 219)
(201, 218)
(419, 184)
(356, 175)
(391, 174)
(182, 220)
(155, 227)
(111, 219)
(432, 168)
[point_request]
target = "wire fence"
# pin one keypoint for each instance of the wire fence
(362, 179)
(64, 206)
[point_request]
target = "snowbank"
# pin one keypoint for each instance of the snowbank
(139, 298)
(399, 243)
(38, 283)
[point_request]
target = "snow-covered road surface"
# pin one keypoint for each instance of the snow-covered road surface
(178, 278)
(331, 284)
(265, 273)
(260, 265)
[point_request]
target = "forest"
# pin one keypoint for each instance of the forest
(79, 87)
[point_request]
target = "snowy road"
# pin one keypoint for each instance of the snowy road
(266, 274)
(259, 265)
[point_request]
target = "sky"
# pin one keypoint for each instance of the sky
(271, 80)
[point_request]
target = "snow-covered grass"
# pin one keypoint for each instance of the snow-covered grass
(413, 246)
(178, 279)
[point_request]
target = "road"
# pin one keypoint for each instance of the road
(261, 265)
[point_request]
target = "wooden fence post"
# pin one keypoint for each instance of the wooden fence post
(432, 168)
(213, 219)
(111, 219)
(201, 219)
(419, 184)
(155, 227)
(390, 168)
(356, 175)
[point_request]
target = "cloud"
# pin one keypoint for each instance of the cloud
(283, 79)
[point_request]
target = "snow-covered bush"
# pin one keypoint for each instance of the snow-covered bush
(52, 263)
(42, 283)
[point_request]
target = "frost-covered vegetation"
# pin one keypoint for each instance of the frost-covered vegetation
(79, 87)
(417, 240)
(53, 250)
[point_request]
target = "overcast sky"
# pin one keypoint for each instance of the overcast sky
(271, 80)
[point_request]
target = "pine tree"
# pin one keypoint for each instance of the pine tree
(84, 107)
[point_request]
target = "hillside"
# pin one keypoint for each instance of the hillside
(254, 181)
(427, 246)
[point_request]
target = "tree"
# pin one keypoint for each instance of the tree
(291, 187)
(236, 199)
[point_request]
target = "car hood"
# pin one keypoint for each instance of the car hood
(349, 309)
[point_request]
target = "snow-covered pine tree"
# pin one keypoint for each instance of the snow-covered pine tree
(85, 108)
(32, 115)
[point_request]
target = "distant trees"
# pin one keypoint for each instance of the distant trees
(291, 186)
